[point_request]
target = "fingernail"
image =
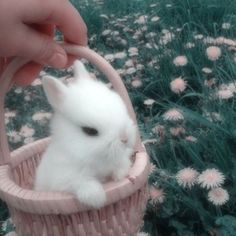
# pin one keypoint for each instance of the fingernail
(58, 60)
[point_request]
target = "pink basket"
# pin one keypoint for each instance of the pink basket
(61, 214)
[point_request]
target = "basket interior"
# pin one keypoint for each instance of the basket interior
(25, 161)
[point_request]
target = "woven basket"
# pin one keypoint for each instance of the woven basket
(61, 214)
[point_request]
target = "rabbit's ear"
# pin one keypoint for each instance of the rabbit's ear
(54, 90)
(80, 71)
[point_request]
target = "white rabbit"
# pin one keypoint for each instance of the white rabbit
(92, 138)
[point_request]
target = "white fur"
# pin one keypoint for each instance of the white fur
(78, 163)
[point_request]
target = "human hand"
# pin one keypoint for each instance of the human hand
(27, 30)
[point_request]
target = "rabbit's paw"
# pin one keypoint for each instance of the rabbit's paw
(120, 174)
(92, 194)
(122, 171)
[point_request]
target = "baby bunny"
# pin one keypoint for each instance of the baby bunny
(92, 138)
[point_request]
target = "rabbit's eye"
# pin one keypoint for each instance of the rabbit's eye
(90, 131)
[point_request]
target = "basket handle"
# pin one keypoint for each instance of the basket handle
(78, 51)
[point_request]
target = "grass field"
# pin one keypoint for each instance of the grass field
(177, 59)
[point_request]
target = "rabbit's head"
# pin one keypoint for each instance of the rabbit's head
(90, 119)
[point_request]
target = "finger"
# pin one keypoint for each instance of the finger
(1, 65)
(27, 74)
(71, 60)
(30, 71)
(60, 13)
(40, 48)
(72, 26)
(47, 29)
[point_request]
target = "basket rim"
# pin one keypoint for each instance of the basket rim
(65, 203)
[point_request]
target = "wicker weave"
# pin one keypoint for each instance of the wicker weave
(61, 214)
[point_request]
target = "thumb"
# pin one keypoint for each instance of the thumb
(41, 48)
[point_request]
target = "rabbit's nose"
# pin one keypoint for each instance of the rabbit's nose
(124, 138)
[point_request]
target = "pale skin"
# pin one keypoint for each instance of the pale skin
(27, 30)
